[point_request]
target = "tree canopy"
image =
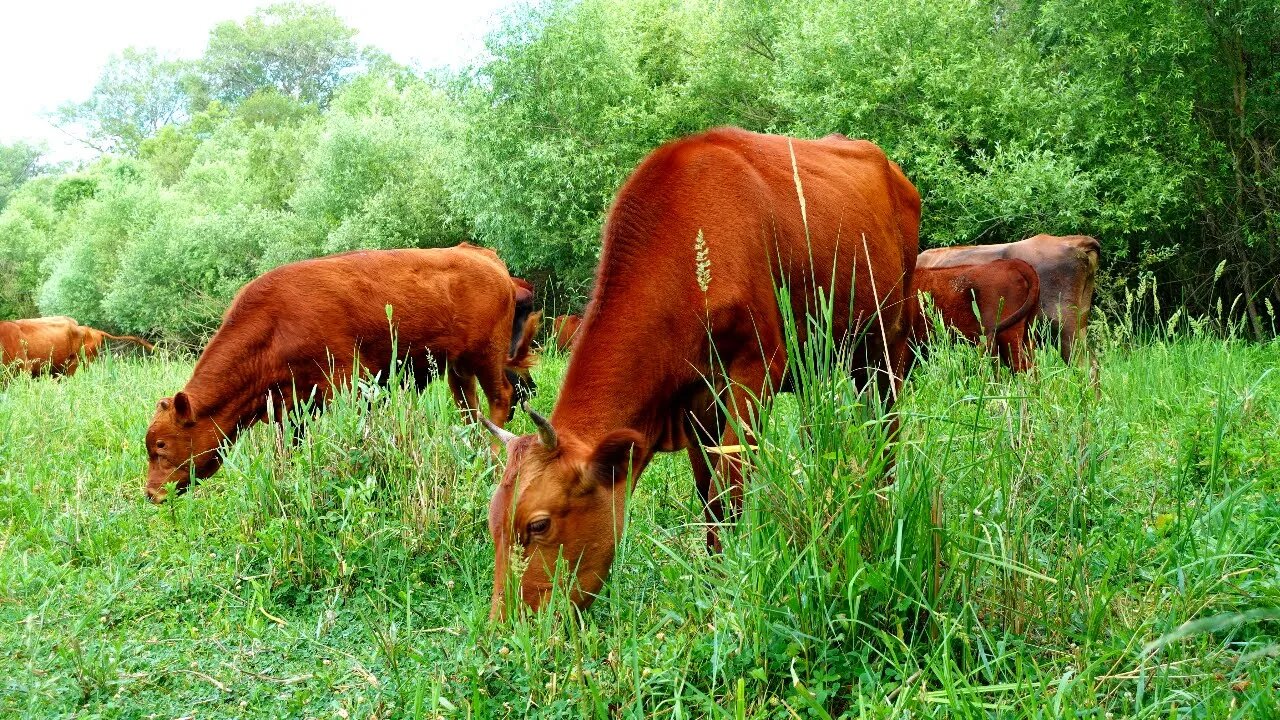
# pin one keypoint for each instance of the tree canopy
(1151, 125)
(300, 51)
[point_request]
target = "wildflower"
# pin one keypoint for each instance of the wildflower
(703, 261)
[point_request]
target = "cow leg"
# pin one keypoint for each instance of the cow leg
(463, 387)
(746, 388)
(887, 386)
(498, 390)
(704, 429)
(1015, 349)
(1067, 335)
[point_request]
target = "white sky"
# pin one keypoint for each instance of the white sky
(52, 51)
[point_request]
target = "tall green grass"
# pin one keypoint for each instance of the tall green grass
(1040, 553)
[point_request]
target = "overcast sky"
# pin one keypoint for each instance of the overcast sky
(52, 51)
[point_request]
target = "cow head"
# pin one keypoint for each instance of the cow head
(180, 444)
(523, 387)
(559, 499)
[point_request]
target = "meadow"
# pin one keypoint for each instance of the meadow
(1051, 547)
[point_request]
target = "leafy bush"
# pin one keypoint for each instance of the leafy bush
(377, 177)
(179, 275)
(82, 271)
(1151, 125)
(26, 230)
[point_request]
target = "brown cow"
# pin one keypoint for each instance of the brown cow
(564, 328)
(1065, 265)
(692, 238)
(56, 345)
(301, 328)
(1007, 293)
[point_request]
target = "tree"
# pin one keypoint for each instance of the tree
(19, 163)
(378, 176)
(1194, 86)
(574, 95)
(138, 93)
(300, 51)
(27, 237)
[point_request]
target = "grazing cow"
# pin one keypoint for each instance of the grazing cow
(301, 328)
(699, 237)
(54, 344)
(1006, 293)
(564, 328)
(1065, 265)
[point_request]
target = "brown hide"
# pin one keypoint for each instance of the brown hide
(300, 326)
(564, 328)
(1006, 292)
(53, 344)
(1066, 267)
(689, 246)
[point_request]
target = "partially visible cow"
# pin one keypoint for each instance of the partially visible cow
(1066, 267)
(564, 328)
(694, 246)
(298, 330)
(522, 333)
(56, 345)
(1006, 293)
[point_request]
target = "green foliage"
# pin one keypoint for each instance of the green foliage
(269, 107)
(19, 163)
(299, 51)
(1151, 125)
(576, 94)
(26, 225)
(181, 273)
(81, 270)
(170, 152)
(71, 191)
(378, 176)
(138, 93)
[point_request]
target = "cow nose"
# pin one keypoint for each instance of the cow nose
(155, 495)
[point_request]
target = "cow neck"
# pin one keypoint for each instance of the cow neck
(230, 384)
(629, 362)
(616, 379)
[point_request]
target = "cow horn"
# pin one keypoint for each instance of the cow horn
(545, 431)
(503, 435)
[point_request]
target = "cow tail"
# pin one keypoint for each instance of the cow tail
(1093, 252)
(1033, 297)
(132, 339)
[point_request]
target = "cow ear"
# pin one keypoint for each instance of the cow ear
(618, 457)
(182, 409)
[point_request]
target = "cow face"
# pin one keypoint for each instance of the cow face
(179, 445)
(560, 500)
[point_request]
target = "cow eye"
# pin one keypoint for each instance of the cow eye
(159, 444)
(539, 526)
